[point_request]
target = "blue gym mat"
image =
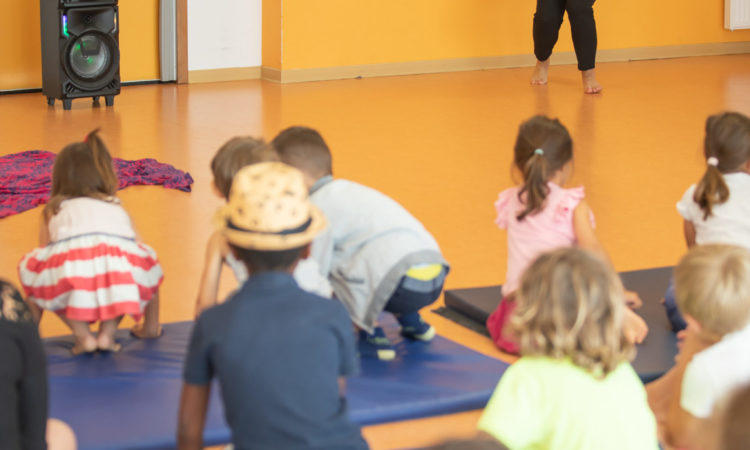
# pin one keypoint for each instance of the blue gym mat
(655, 356)
(130, 399)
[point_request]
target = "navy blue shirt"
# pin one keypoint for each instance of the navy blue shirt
(278, 352)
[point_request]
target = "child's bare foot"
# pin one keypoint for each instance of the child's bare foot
(539, 77)
(84, 344)
(107, 343)
(590, 85)
(634, 327)
(143, 332)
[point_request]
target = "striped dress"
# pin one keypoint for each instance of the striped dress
(93, 268)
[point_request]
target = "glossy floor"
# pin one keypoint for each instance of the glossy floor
(439, 144)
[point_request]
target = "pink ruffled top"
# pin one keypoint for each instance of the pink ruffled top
(546, 230)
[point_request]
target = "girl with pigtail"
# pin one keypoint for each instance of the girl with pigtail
(541, 215)
(90, 266)
(717, 209)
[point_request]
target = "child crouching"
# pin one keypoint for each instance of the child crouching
(376, 255)
(573, 386)
(712, 287)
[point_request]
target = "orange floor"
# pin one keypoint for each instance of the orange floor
(439, 144)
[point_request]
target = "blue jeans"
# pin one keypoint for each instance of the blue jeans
(673, 313)
(411, 295)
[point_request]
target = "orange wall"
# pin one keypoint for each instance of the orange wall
(329, 33)
(271, 41)
(20, 48)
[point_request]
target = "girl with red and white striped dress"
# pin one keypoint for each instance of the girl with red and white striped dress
(90, 266)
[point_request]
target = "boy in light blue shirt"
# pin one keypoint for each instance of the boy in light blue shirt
(377, 256)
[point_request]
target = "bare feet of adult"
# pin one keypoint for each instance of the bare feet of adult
(84, 344)
(539, 77)
(590, 85)
(143, 332)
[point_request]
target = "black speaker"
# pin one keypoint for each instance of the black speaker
(80, 50)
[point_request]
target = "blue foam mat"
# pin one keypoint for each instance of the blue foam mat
(130, 399)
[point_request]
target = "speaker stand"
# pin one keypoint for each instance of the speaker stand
(51, 101)
(109, 100)
(67, 104)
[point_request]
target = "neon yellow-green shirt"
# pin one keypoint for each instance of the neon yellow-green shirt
(545, 403)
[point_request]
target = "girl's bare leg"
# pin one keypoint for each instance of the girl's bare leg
(85, 341)
(106, 339)
(149, 328)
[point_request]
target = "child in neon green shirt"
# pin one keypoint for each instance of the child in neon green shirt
(573, 388)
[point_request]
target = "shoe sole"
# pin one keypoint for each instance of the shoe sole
(425, 337)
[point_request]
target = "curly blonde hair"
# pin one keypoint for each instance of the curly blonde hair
(570, 305)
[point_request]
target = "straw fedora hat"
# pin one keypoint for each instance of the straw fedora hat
(269, 209)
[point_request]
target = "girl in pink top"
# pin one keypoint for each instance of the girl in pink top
(541, 215)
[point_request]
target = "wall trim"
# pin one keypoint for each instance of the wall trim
(271, 74)
(229, 74)
(496, 62)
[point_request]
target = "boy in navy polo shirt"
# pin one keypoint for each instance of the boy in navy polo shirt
(279, 353)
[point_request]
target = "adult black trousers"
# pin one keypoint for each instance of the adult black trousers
(548, 19)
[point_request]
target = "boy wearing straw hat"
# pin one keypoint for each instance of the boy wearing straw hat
(377, 256)
(280, 353)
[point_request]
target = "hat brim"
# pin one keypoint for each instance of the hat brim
(270, 241)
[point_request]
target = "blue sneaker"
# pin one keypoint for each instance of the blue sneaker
(413, 327)
(375, 345)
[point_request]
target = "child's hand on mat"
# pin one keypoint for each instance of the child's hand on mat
(633, 300)
(634, 327)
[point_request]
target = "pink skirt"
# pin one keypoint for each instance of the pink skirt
(92, 277)
(496, 325)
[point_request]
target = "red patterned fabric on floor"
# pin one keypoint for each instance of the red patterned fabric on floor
(26, 178)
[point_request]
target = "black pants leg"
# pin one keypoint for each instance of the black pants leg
(548, 19)
(583, 29)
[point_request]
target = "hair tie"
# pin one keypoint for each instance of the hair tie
(539, 151)
(713, 161)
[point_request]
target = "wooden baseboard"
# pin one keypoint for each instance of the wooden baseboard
(270, 74)
(230, 74)
(495, 62)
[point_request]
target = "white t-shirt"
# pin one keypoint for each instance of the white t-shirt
(85, 215)
(729, 222)
(715, 373)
